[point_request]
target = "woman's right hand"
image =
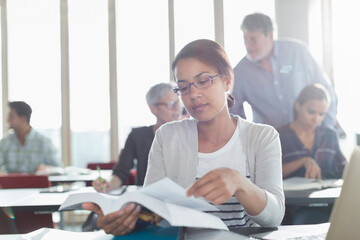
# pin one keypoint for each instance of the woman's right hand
(312, 169)
(120, 222)
(100, 185)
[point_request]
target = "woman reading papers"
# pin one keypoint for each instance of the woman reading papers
(232, 163)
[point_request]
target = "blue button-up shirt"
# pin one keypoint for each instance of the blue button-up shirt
(272, 94)
(15, 157)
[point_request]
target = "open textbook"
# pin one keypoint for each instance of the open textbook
(301, 183)
(165, 198)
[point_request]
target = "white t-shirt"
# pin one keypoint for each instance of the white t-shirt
(231, 212)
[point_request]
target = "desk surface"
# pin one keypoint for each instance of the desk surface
(312, 197)
(30, 199)
(69, 178)
(282, 232)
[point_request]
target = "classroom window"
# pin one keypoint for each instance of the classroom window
(346, 53)
(142, 59)
(89, 81)
(193, 20)
(1, 95)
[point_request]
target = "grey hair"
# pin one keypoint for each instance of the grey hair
(257, 22)
(157, 91)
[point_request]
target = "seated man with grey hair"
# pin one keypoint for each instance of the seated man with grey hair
(165, 105)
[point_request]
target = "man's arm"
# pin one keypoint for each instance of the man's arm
(238, 95)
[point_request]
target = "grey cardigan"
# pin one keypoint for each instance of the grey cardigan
(174, 154)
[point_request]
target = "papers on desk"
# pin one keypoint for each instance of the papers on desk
(51, 234)
(165, 198)
(300, 183)
(295, 232)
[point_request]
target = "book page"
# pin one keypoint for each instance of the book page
(170, 192)
(183, 213)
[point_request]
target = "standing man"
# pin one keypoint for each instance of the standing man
(25, 150)
(273, 73)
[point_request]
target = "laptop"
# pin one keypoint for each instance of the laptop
(346, 211)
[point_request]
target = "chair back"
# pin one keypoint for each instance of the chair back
(24, 222)
(102, 165)
(110, 165)
(19, 180)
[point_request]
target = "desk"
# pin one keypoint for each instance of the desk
(282, 232)
(311, 197)
(30, 199)
(324, 199)
(70, 178)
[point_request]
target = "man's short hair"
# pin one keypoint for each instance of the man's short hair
(257, 22)
(22, 109)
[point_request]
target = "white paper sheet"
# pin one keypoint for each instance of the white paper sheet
(167, 200)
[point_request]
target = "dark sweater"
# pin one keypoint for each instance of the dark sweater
(137, 147)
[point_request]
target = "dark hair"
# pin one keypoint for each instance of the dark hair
(257, 22)
(312, 92)
(22, 109)
(210, 53)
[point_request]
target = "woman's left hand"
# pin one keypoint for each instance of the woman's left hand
(217, 186)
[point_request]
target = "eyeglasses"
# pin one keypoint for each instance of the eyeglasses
(200, 83)
(169, 104)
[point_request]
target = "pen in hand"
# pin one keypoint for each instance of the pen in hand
(101, 179)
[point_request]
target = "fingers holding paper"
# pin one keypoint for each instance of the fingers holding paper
(216, 186)
(120, 222)
(221, 184)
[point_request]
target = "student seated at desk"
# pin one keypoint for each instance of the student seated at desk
(232, 163)
(309, 149)
(24, 150)
(166, 107)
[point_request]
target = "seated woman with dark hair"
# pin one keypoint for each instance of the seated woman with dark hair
(310, 150)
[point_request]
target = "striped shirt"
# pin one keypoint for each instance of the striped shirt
(231, 212)
(15, 157)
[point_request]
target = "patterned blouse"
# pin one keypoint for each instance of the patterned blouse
(326, 151)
